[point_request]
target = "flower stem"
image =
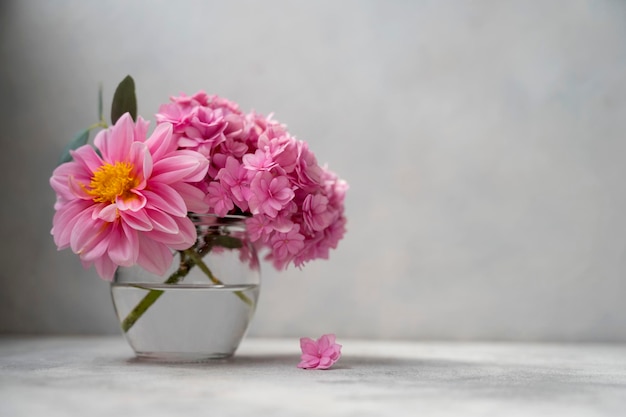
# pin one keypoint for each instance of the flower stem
(140, 308)
(198, 261)
(152, 296)
(101, 124)
(180, 273)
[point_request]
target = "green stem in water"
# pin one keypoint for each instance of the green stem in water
(198, 261)
(140, 308)
(181, 272)
(152, 296)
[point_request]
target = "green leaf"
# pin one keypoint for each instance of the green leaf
(100, 113)
(227, 242)
(79, 140)
(124, 100)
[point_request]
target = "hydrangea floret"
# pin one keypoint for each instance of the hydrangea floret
(319, 354)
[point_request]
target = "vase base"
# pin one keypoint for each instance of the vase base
(181, 357)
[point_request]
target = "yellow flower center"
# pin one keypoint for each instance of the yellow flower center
(112, 181)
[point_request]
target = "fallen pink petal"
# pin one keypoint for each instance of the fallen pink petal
(320, 354)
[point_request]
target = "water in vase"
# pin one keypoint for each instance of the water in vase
(186, 322)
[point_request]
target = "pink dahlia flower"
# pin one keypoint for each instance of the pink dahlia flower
(320, 354)
(127, 204)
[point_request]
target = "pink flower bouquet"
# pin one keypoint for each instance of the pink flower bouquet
(128, 199)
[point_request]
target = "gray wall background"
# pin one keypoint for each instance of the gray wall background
(483, 142)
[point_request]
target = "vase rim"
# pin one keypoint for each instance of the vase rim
(227, 216)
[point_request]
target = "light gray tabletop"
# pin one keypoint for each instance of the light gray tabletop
(98, 376)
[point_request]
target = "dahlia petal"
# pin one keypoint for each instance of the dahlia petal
(101, 141)
(64, 221)
(179, 167)
(105, 267)
(202, 166)
(133, 202)
(76, 189)
(148, 166)
(165, 198)
(141, 159)
(182, 240)
(83, 231)
(87, 157)
(186, 231)
(106, 212)
(98, 247)
(120, 140)
(153, 256)
(138, 220)
(193, 197)
(162, 222)
(60, 176)
(123, 245)
(173, 241)
(161, 142)
(141, 128)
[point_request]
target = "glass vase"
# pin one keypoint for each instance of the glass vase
(201, 308)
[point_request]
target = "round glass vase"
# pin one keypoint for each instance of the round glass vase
(201, 307)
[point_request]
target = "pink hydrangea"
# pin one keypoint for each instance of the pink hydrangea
(316, 213)
(127, 202)
(285, 246)
(295, 206)
(269, 194)
(218, 199)
(320, 354)
(235, 178)
(203, 122)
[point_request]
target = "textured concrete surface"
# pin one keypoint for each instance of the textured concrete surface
(98, 376)
(483, 141)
